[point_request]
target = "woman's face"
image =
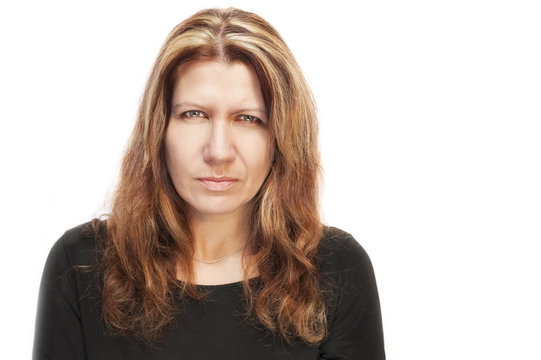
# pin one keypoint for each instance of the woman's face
(217, 142)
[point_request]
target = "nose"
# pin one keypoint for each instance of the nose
(220, 145)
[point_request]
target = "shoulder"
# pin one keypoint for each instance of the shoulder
(77, 246)
(345, 268)
(350, 291)
(65, 282)
(339, 252)
(69, 269)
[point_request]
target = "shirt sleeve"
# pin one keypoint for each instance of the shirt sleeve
(354, 323)
(58, 332)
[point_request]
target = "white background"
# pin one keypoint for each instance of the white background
(430, 133)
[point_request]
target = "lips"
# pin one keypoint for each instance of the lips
(217, 183)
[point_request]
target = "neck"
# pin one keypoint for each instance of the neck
(216, 236)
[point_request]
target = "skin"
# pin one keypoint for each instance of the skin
(218, 154)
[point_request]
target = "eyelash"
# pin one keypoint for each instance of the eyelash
(253, 119)
(249, 119)
(198, 114)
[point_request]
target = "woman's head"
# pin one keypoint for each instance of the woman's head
(149, 235)
(233, 36)
(217, 142)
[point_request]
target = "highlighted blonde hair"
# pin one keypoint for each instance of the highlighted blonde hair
(148, 235)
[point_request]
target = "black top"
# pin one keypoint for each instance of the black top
(69, 324)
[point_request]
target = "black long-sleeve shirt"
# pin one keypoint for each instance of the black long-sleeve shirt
(69, 323)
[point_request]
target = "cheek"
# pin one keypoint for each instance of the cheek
(170, 154)
(176, 154)
(258, 154)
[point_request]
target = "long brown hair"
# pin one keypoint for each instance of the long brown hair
(148, 235)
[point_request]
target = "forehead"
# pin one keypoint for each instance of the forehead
(207, 77)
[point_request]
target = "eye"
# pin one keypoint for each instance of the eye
(193, 114)
(250, 119)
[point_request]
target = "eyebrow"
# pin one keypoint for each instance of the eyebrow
(199, 106)
(259, 110)
(187, 104)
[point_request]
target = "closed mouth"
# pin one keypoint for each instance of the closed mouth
(217, 183)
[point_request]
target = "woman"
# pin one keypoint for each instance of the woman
(214, 247)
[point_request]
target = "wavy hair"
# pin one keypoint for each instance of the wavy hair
(148, 234)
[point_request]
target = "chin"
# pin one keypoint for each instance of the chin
(210, 209)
